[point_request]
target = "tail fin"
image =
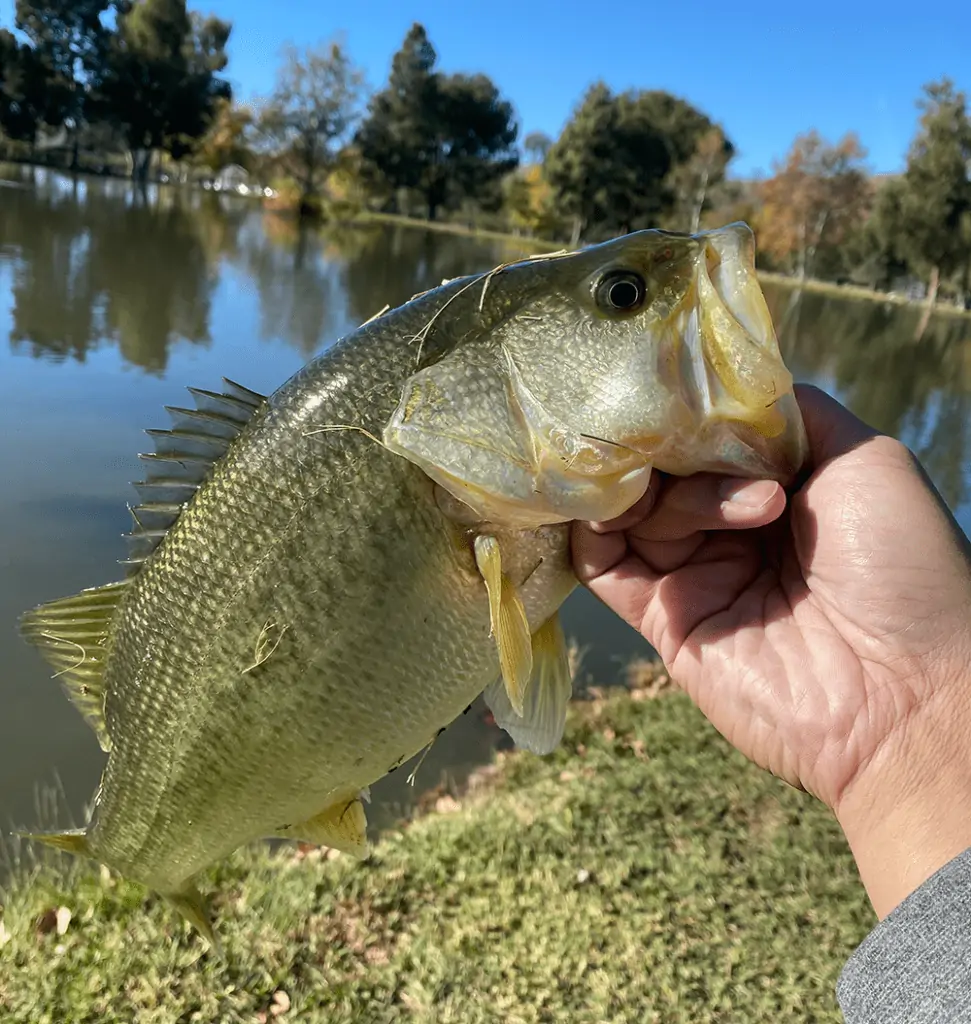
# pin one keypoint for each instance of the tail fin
(74, 840)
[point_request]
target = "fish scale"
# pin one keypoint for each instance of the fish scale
(320, 581)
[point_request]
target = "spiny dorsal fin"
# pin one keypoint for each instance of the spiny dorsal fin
(71, 635)
(183, 458)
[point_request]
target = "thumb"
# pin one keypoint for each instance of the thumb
(831, 428)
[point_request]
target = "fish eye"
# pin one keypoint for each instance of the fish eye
(620, 291)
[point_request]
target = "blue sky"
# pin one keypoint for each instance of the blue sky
(764, 71)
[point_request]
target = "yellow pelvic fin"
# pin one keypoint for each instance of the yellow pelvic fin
(71, 634)
(342, 826)
(192, 905)
(510, 626)
(539, 727)
(73, 840)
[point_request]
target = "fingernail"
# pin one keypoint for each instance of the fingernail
(747, 493)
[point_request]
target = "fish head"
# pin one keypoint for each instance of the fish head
(655, 349)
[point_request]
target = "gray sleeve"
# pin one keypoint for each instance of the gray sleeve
(915, 966)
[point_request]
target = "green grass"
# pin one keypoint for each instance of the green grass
(644, 872)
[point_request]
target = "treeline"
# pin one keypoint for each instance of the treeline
(144, 78)
(141, 77)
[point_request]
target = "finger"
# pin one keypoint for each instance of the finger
(595, 553)
(831, 428)
(635, 513)
(708, 502)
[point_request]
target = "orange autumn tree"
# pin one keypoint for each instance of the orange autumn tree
(817, 197)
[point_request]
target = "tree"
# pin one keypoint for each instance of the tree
(226, 140)
(928, 214)
(817, 197)
(447, 137)
(24, 93)
(694, 179)
(161, 83)
(313, 106)
(537, 145)
(615, 165)
(70, 39)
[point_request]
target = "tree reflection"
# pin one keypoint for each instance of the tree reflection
(920, 392)
(390, 265)
(99, 265)
(299, 290)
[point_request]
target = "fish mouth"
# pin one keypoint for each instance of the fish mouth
(733, 381)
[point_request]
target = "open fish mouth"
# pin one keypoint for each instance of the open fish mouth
(741, 410)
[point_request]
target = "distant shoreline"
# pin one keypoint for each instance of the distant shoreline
(532, 244)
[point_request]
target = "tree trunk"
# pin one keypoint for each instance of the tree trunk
(699, 201)
(925, 317)
(932, 286)
(575, 233)
(140, 161)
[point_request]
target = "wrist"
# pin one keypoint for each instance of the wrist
(909, 812)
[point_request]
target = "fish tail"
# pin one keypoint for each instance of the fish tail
(74, 840)
(192, 905)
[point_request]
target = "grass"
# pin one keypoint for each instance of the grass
(644, 872)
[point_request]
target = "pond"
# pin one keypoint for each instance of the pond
(112, 302)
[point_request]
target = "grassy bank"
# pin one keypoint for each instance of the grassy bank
(644, 872)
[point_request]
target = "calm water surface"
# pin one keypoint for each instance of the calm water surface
(111, 303)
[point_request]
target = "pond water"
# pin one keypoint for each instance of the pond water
(112, 302)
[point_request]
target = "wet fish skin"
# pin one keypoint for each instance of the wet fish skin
(317, 612)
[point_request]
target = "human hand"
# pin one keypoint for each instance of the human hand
(828, 637)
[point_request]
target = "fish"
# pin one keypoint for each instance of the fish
(320, 580)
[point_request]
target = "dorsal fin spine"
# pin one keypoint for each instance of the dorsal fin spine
(182, 460)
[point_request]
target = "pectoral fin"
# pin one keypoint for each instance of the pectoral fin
(539, 727)
(192, 905)
(74, 840)
(510, 627)
(343, 826)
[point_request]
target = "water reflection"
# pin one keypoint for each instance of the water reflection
(91, 269)
(917, 390)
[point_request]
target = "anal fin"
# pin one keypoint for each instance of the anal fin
(510, 627)
(539, 726)
(71, 634)
(342, 826)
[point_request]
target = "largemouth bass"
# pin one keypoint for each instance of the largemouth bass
(322, 579)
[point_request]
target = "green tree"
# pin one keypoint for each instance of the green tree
(69, 38)
(928, 214)
(161, 84)
(25, 99)
(311, 109)
(447, 137)
(227, 139)
(615, 166)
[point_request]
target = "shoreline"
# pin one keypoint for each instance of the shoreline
(531, 244)
(527, 242)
